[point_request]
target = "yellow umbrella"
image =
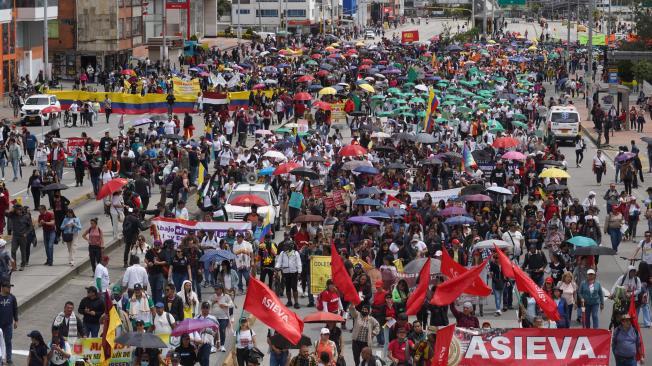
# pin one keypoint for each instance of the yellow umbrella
(491, 41)
(360, 44)
(367, 87)
(554, 173)
(328, 91)
(330, 48)
(532, 48)
(335, 45)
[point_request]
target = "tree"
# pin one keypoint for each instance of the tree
(643, 20)
(642, 70)
(223, 7)
(625, 72)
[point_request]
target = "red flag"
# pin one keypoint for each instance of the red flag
(640, 351)
(415, 301)
(505, 263)
(268, 308)
(393, 201)
(450, 290)
(453, 269)
(442, 343)
(545, 302)
(341, 278)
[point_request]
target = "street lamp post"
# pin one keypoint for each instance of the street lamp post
(46, 72)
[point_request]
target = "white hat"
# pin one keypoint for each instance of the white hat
(325, 331)
(468, 305)
(591, 193)
(438, 253)
(631, 268)
(2, 243)
(590, 271)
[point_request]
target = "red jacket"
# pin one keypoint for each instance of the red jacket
(331, 300)
(61, 155)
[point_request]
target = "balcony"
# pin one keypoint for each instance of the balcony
(32, 10)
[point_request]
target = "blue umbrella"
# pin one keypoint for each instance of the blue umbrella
(362, 220)
(377, 215)
(315, 87)
(393, 211)
(266, 171)
(368, 191)
(195, 69)
(366, 169)
(367, 201)
(217, 255)
(459, 220)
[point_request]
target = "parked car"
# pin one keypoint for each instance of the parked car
(30, 112)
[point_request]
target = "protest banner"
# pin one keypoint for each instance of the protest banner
(90, 349)
(186, 86)
(320, 272)
(338, 198)
(337, 111)
(329, 203)
(436, 196)
(409, 36)
(175, 229)
(530, 346)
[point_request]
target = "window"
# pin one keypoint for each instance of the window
(296, 1)
(244, 11)
(267, 13)
(120, 29)
(136, 27)
(53, 28)
(296, 13)
(127, 27)
(5, 76)
(5, 38)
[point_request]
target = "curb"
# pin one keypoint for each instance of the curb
(57, 282)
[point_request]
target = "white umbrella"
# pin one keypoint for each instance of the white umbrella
(264, 53)
(499, 190)
(381, 135)
(275, 155)
(291, 125)
(421, 87)
(489, 244)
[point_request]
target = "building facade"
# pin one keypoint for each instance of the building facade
(29, 35)
(8, 45)
(272, 15)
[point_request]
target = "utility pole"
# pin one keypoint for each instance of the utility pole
(568, 43)
(238, 30)
(484, 19)
(46, 73)
(260, 18)
(472, 15)
(589, 74)
(165, 31)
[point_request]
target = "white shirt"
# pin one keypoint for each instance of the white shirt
(243, 260)
(516, 239)
(218, 311)
(229, 125)
(207, 335)
(106, 176)
(163, 323)
(133, 275)
(103, 274)
(169, 127)
(289, 261)
(181, 214)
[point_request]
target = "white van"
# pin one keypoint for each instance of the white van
(563, 122)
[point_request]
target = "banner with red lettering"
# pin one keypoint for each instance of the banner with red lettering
(263, 303)
(410, 36)
(529, 347)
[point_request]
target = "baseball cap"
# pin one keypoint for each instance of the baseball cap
(138, 286)
(590, 271)
(159, 305)
(91, 289)
(468, 305)
(116, 289)
(325, 331)
(34, 334)
(6, 284)
(631, 268)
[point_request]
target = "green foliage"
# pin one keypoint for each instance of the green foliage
(194, 38)
(468, 36)
(642, 70)
(223, 7)
(625, 72)
(643, 20)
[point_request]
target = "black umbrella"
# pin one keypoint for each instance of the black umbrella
(55, 187)
(594, 250)
(473, 189)
(556, 187)
(316, 159)
(647, 139)
(384, 148)
(305, 172)
(404, 136)
(283, 343)
(358, 113)
(481, 155)
(431, 161)
(396, 165)
(552, 162)
(172, 137)
(142, 340)
(453, 155)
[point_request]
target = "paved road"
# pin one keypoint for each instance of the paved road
(40, 315)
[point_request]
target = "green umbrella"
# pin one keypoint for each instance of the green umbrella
(397, 64)
(519, 116)
(282, 130)
(407, 114)
(522, 91)
(417, 100)
(378, 97)
(441, 120)
(500, 79)
(400, 101)
(449, 102)
(408, 85)
(495, 125)
(483, 106)
(283, 33)
(394, 91)
(582, 241)
(421, 114)
(311, 63)
(385, 114)
(519, 124)
(464, 109)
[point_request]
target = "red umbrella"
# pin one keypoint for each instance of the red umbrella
(127, 72)
(505, 142)
(248, 199)
(323, 106)
(259, 86)
(322, 317)
(316, 56)
(322, 73)
(111, 187)
(367, 61)
(364, 67)
(305, 79)
(286, 168)
(51, 109)
(302, 96)
(352, 150)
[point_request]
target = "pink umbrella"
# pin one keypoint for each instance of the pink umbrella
(477, 198)
(514, 155)
(263, 132)
(259, 86)
(192, 325)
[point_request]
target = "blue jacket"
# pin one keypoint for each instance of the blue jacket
(591, 298)
(30, 142)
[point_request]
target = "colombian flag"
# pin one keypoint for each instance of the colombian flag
(301, 146)
(467, 159)
(433, 103)
(267, 227)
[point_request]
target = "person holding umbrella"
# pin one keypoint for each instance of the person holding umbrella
(209, 337)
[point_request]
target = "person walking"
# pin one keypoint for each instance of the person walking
(599, 166)
(592, 299)
(47, 222)
(21, 226)
(107, 105)
(92, 308)
(365, 328)
(625, 342)
(580, 146)
(289, 262)
(243, 252)
(14, 153)
(95, 238)
(221, 305)
(8, 317)
(613, 225)
(35, 184)
(70, 227)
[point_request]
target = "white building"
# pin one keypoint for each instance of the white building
(271, 15)
(29, 34)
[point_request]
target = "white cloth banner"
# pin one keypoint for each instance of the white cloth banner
(436, 196)
(176, 229)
